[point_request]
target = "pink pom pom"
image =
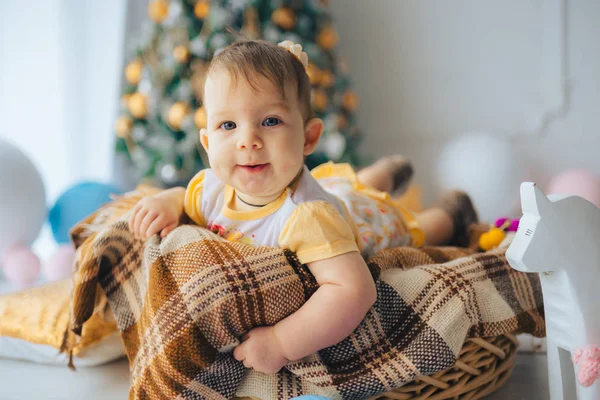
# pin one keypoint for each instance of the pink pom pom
(512, 227)
(588, 359)
(21, 266)
(500, 222)
(60, 264)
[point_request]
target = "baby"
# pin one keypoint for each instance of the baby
(260, 127)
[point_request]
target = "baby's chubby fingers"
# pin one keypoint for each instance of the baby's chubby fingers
(155, 226)
(148, 220)
(168, 229)
(137, 222)
(134, 211)
(154, 214)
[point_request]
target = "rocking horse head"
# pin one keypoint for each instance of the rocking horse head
(552, 235)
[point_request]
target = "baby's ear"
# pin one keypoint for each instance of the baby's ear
(312, 133)
(204, 138)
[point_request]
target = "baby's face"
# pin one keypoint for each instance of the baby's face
(255, 139)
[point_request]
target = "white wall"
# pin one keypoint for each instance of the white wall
(60, 68)
(32, 81)
(94, 36)
(429, 71)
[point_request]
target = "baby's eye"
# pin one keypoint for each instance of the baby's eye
(271, 121)
(228, 126)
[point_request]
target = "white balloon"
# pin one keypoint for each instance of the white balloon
(487, 168)
(22, 198)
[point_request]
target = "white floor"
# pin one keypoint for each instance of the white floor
(529, 380)
(23, 380)
(26, 381)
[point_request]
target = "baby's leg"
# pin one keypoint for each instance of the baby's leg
(447, 223)
(437, 225)
(390, 174)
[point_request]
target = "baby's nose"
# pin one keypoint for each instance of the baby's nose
(250, 140)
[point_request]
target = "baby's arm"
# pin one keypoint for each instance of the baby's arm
(346, 293)
(325, 241)
(159, 213)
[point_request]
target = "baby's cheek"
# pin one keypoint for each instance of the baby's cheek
(292, 163)
(219, 170)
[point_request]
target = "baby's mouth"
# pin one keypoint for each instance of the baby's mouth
(254, 167)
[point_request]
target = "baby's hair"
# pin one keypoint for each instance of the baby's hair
(252, 58)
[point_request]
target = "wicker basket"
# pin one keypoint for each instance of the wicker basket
(483, 366)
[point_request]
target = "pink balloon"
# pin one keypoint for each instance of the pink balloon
(577, 182)
(21, 266)
(60, 264)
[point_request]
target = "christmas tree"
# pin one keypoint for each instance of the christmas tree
(161, 104)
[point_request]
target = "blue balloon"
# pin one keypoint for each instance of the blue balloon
(75, 204)
(311, 397)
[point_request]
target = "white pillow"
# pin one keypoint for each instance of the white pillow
(109, 349)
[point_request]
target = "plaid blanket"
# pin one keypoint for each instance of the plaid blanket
(183, 302)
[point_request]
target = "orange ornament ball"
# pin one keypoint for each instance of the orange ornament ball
(177, 113)
(284, 17)
(181, 54)
(137, 105)
(158, 10)
(133, 72)
(327, 38)
(201, 9)
(123, 126)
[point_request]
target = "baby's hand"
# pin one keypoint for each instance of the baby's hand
(154, 214)
(260, 350)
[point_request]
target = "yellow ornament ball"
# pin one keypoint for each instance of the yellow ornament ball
(201, 9)
(491, 239)
(123, 126)
(137, 105)
(314, 74)
(158, 10)
(133, 72)
(181, 54)
(350, 101)
(284, 17)
(327, 38)
(177, 113)
(319, 99)
(200, 118)
(327, 79)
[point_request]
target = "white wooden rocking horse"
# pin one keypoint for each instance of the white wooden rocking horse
(559, 237)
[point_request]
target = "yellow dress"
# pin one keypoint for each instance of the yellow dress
(381, 221)
(324, 214)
